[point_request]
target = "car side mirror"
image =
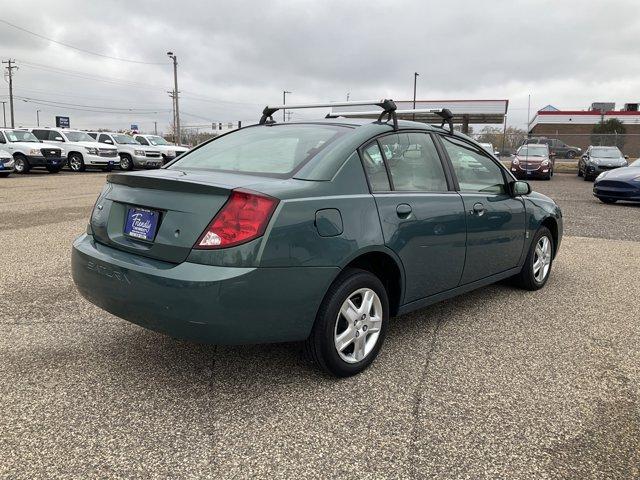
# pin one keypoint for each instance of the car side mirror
(520, 188)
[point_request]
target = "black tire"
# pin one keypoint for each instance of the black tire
(21, 164)
(579, 171)
(5, 174)
(608, 200)
(51, 169)
(571, 154)
(76, 162)
(320, 348)
(586, 177)
(126, 162)
(526, 278)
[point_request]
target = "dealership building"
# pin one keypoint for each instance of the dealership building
(575, 127)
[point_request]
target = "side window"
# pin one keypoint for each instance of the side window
(414, 162)
(475, 171)
(55, 136)
(2, 140)
(374, 167)
(41, 134)
(142, 140)
(103, 137)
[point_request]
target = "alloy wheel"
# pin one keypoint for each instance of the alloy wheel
(19, 165)
(542, 259)
(75, 163)
(358, 325)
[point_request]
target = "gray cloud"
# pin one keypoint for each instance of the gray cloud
(237, 56)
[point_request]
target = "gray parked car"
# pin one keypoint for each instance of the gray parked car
(600, 159)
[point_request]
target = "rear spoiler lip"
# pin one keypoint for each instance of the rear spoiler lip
(172, 184)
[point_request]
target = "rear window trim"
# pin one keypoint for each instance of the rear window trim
(287, 175)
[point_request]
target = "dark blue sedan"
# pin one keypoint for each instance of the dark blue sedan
(619, 184)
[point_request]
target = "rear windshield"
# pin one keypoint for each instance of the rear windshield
(270, 150)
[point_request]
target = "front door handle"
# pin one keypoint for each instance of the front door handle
(403, 210)
(478, 209)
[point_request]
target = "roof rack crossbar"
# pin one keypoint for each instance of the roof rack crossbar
(444, 113)
(388, 107)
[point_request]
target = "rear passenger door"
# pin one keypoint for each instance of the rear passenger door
(422, 217)
(495, 219)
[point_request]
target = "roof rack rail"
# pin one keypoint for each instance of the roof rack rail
(388, 108)
(444, 113)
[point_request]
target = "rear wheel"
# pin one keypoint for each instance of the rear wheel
(76, 162)
(125, 162)
(571, 154)
(22, 164)
(608, 200)
(537, 266)
(350, 325)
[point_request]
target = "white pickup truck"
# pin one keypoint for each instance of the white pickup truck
(131, 153)
(169, 152)
(82, 151)
(28, 152)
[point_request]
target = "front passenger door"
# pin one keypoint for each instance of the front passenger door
(495, 219)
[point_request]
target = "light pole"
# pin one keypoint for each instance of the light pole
(415, 81)
(38, 117)
(284, 101)
(175, 99)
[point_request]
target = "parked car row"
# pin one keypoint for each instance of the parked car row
(55, 148)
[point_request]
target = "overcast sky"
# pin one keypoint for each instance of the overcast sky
(236, 56)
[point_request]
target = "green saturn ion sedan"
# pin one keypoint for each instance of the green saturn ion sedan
(316, 231)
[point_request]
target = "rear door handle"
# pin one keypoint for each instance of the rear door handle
(403, 210)
(478, 209)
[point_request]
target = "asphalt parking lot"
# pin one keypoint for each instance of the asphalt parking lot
(498, 383)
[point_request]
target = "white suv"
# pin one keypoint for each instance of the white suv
(132, 154)
(28, 152)
(169, 152)
(82, 150)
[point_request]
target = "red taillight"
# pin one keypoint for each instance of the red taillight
(243, 218)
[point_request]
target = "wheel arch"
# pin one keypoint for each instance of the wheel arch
(552, 225)
(75, 151)
(385, 265)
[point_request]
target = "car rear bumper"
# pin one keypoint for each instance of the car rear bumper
(211, 304)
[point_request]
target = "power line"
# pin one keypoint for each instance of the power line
(78, 48)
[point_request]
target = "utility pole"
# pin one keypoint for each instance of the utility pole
(155, 127)
(38, 117)
(4, 113)
(10, 68)
(284, 102)
(348, 93)
(415, 81)
(289, 113)
(173, 113)
(175, 93)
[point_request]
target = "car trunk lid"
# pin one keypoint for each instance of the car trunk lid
(185, 203)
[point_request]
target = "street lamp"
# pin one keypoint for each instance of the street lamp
(176, 133)
(38, 117)
(415, 81)
(284, 101)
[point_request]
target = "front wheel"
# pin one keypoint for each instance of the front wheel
(126, 163)
(76, 162)
(537, 266)
(350, 325)
(21, 164)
